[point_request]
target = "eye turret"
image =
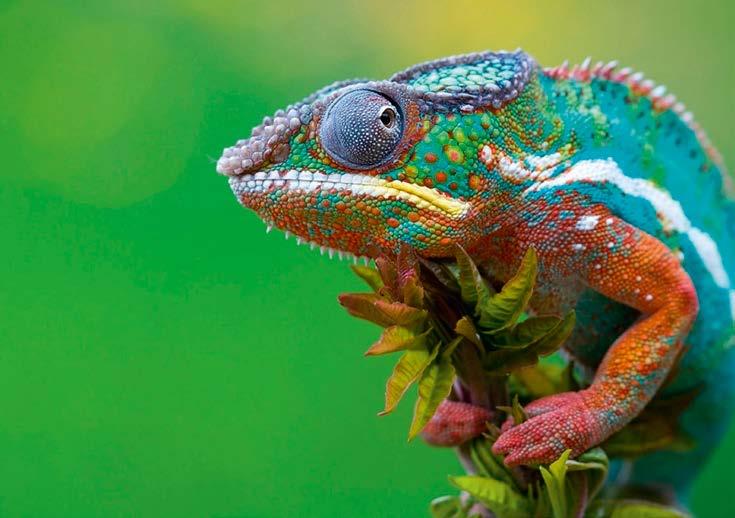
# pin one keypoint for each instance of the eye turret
(361, 129)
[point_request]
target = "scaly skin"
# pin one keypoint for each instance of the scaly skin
(608, 178)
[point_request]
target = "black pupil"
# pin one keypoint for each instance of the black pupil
(387, 117)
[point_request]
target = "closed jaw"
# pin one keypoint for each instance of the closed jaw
(308, 181)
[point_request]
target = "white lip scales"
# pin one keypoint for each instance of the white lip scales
(307, 181)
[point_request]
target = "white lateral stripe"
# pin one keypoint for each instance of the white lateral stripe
(587, 222)
(602, 171)
(732, 304)
(707, 249)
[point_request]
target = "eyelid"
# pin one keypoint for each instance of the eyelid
(347, 141)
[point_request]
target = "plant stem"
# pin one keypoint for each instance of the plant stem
(473, 376)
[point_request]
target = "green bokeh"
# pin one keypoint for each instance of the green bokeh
(159, 354)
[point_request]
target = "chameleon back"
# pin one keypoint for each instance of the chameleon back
(657, 170)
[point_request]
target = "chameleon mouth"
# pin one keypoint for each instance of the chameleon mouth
(307, 181)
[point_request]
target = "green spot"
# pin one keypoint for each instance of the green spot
(459, 135)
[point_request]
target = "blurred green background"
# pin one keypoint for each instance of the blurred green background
(159, 354)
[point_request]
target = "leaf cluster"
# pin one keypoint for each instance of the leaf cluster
(567, 489)
(437, 314)
(461, 335)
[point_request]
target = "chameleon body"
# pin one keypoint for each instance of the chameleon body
(621, 194)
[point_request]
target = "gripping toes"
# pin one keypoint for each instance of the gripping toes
(454, 423)
(558, 423)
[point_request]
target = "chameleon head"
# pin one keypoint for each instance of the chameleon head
(365, 167)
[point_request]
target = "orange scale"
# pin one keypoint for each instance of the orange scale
(474, 182)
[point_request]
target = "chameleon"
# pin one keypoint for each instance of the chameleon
(625, 200)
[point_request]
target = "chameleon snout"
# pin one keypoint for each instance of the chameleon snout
(268, 143)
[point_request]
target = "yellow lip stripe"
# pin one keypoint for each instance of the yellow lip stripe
(455, 208)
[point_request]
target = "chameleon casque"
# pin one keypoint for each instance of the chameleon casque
(619, 191)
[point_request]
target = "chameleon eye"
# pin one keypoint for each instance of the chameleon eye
(388, 116)
(361, 129)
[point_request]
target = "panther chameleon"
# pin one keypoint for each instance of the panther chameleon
(605, 174)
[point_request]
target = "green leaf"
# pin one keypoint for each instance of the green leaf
(398, 338)
(487, 463)
(370, 275)
(497, 496)
(493, 432)
(515, 411)
(525, 333)
(401, 314)
(390, 277)
(557, 336)
(632, 509)
(451, 347)
(473, 288)
(505, 308)
(409, 284)
(506, 361)
(362, 305)
(568, 382)
(442, 274)
(543, 506)
(466, 328)
(434, 387)
(447, 507)
(408, 369)
(376, 309)
(593, 465)
(540, 380)
(555, 480)
(413, 293)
